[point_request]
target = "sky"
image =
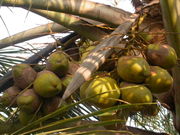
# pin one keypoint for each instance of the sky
(14, 20)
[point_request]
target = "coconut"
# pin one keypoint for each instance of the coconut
(150, 110)
(58, 63)
(25, 117)
(47, 84)
(23, 75)
(83, 89)
(159, 81)
(9, 96)
(51, 104)
(134, 93)
(107, 89)
(161, 55)
(65, 81)
(28, 101)
(146, 36)
(87, 52)
(133, 69)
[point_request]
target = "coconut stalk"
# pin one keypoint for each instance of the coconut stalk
(83, 8)
(171, 18)
(97, 57)
(36, 32)
(82, 27)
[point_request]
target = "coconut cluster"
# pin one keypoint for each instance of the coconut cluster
(130, 79)
(38, 93)
(135, 80)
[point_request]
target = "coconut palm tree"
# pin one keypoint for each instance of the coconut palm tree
(114, 33)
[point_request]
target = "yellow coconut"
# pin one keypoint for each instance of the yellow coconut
(58, 63)
(159, 81)
(47, 84)
(161, 55)
(107, 89)
(23, 75)
(133, 69)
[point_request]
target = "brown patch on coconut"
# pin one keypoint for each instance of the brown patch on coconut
(9, 96)
(23, 75)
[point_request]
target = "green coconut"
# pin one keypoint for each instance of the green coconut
(28, 101)
(9, 96)
(25, 117)
(65, 81)
(87, 52)
(47, 84)
(108, 90)
(161, 55)
(146, 36)
(58, 63)
(83, 89)
(23, 75)
(133, 69)
(159, 81)
(134, 93)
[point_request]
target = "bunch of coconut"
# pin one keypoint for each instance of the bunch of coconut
(145, 77)
(140, 77)
(38, 93)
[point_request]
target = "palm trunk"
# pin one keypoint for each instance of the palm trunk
(171, 16)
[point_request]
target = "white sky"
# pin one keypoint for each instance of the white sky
(18, 20)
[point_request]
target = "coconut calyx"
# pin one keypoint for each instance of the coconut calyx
(159, 81)
(133, 69)
(23, 75)
(9, 96)
(107, 89)
(161, 55)
(58, 63)
(28, 101)
(47, 84)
